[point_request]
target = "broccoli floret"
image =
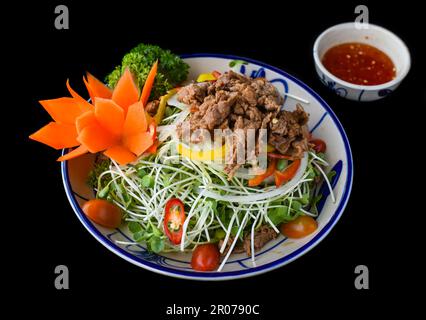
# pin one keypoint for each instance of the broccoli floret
(171, 69)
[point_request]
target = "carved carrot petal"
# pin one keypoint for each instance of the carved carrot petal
(96, 138)
(125, 92)
(135, 120)
(97, 87)
(138, 143)
(120, 154)
(73, 154)
(109, 115)
(86, 119)
(57, 135)
(84, 103)
(149, 82)
(64, 110)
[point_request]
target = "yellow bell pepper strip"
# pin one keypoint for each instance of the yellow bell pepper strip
(201, 155)
(203, 77)
(162, 106)
(287, 174)
(257, 180)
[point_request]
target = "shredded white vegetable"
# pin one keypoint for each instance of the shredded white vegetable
(202, 187)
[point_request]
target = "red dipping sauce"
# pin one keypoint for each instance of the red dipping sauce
(359, 63)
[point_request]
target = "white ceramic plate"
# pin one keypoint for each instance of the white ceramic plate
(323, 123)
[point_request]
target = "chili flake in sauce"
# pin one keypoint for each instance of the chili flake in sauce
(359, 63)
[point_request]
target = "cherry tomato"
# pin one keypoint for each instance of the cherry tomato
(319, 145)
(299, 227)
(205, 257)
(103, 212)
(174, 217)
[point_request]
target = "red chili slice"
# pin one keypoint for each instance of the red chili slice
(174, 218)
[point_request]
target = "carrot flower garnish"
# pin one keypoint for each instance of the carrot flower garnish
(115, 123)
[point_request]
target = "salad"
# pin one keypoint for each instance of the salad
(214, 167)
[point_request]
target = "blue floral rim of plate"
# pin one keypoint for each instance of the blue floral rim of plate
(194, 275)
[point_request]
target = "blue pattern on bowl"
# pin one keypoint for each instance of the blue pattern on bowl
(340, 91)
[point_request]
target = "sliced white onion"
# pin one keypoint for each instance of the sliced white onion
(164, 132)
(290, 185)
(173, 101)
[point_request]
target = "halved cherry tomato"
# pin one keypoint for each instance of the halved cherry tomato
(287, 174)
(205, 257)
(319, 145)
(103, 212)
(174, 218)
(259, 178)
(299, 227)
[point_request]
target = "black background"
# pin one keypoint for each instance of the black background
(47, 232)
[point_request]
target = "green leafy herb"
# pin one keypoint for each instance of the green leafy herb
(314, 203)
(279, 215)
(147, 181)
(213, 204)
(141, 173)
(140, 236)
(234, 231)
(311, 173)
(122, 190)
(134, 227)
(305, 199)
(321, 155)
(296, 205)
(155, 230)
(156, 244)
(234, 63)
(331, 175)
(166, 179)
(152, 236)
